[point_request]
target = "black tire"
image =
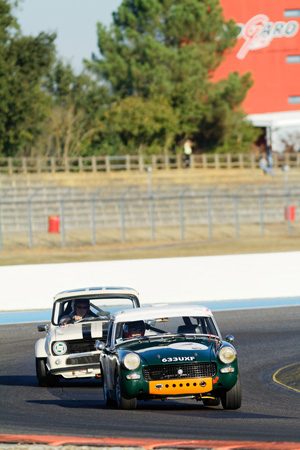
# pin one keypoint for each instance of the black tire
(41, 371)
(52, 380)
(43, 377)
(233, 399)
(211, 401)
(122, 402)
(108, 401)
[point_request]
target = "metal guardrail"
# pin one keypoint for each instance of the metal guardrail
(140, 163)
(177, 212)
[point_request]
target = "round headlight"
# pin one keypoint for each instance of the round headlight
(227, 355)
(131, 361)
(59, 348)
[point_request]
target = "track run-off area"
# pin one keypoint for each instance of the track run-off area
(267, 337)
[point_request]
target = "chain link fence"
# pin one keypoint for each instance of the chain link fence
(73, 217)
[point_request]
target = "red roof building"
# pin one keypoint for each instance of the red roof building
(268, 46)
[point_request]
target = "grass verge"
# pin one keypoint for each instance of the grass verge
(158, 249)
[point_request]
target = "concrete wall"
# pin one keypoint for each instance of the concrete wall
(171, 280)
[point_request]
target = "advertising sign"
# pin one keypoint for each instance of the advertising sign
(260, 31)
(268, 46)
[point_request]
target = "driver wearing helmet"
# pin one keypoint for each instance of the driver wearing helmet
(81, 310)
(134, 329)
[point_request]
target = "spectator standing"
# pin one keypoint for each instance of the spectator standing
(187, 151)
(263, 164)
(269, 154)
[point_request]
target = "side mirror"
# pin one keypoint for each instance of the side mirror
(43, 327)
(229, 338)
(100, 346)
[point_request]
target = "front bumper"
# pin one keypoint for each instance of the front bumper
(77, 365)
(197, 386)
(188, 386)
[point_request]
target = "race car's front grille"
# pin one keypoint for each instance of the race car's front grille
(81, 345)
(173, 371)
(74, 361)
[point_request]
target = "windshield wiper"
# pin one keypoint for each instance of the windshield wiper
(152, 337)
(132, 340)
(89, 319)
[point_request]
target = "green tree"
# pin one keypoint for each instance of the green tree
(74, 120)
(23, 104)
(170, 49)
(143, 125)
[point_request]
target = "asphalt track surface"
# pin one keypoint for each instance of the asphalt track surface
(267, 340)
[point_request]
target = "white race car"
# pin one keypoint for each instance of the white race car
(79, 320)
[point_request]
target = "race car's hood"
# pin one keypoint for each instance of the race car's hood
(79, 331)
(187, 351)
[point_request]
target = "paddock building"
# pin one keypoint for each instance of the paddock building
(268, 46)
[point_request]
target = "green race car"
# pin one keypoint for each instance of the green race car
(168, 352)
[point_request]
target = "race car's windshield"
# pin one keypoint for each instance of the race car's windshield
(165, 326)
(94, 309)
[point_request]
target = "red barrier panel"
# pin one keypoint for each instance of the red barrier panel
(290, 213)
(53, 224)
